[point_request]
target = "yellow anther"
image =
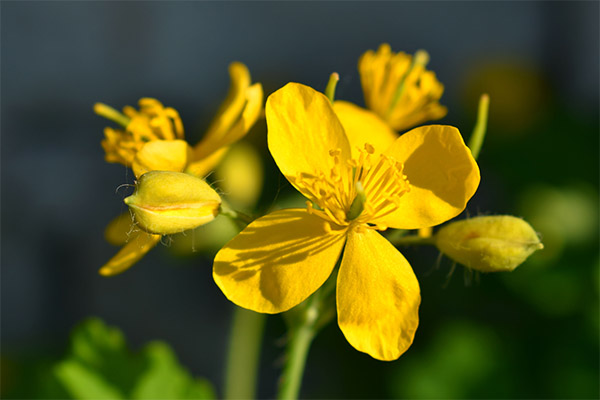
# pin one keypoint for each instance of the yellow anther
(309, 207)
(369, 148)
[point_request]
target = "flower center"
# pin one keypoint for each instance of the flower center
(153, 122)
(358, 191)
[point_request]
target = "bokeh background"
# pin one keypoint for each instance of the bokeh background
(532, 333)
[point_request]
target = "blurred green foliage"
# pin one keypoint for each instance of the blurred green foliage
(98, 365)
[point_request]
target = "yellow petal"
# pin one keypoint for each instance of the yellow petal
(302, 131)
(237, 114)
(208, 154)
(202, 168)
(119, 230)
(161, 155)
(363, 126)
(378, 296)
(167, 202)
(278, 260)
(139, 244)
(442, 173)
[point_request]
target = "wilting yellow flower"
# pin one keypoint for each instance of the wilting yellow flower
(153, 140)
(151, 123)
(425, 177)
(153, 137)
(489, 244)
(399, 89)
(399, 93)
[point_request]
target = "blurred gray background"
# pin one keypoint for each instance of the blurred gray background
(58, 58)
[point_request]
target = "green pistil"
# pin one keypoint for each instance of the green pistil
(358, 204)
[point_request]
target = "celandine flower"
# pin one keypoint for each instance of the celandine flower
(153, 140)
(424, 178)
(153, 137)
(399, 91)
(150, 123)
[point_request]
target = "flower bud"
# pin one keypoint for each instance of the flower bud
(488, 244)
(169, 202)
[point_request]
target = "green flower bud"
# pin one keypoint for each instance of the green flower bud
(488, 244)
(170, 202)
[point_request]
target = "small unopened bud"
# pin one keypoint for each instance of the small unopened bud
(170, 202)
(488, 244)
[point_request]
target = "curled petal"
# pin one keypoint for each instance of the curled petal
(119, 230)
(236, 116)
(378, 296)
(139, 244)
(278, 260)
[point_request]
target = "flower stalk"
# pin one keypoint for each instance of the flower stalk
(304, 323)
(243, 354)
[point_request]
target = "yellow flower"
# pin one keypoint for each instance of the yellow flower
(399, 93)
(424, 178)
(153, 140)
(151, 123)
(153, 137)
(399, 89)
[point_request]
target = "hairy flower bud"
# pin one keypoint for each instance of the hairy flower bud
(170, 202)
(488, 244)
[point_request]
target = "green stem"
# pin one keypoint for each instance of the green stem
(476, 140)
(411, 240)
(240, 218)
(244, 350)
(301, 338)
(304, 322)
(245, 339)
(294, 369)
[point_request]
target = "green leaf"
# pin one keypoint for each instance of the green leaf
(83, 383)
(165, 379)
(99, 366)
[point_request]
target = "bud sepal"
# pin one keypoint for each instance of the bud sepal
(167, 202)
(490, 243)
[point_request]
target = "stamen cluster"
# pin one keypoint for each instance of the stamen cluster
(152, 122)
(379, 176)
